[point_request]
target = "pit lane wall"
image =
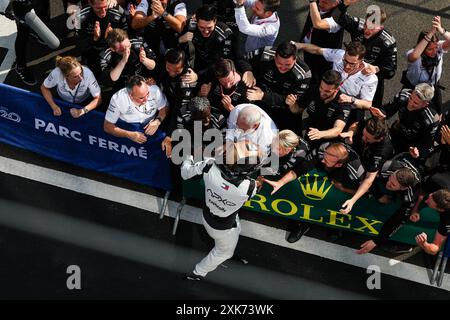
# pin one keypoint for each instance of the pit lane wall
(27, 122)
(313, 198)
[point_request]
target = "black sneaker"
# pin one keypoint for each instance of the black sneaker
(298, 232)
(193, 277)
(396, 247)
(26, 76)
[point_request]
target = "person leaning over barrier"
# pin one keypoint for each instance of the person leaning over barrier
(227, 188)
(74, 83)
(338, 160)
(399, 178)
(136, 103)
(440, 201)
(249, 122)
(291, 151)
(370, 139)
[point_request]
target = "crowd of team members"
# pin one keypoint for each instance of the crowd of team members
(160, 68)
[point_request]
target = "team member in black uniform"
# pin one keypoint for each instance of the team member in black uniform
(162, 21)
(199, 109)
(225, 12)
(342, 165)
(440, 201)
(370, 139)
(326, 116)
(418, 123)
(227, 90)
(292, 152)
(179, 84)
(125, 58)
(96, 20)
(398, 177)
(227, 188)
(196, 114)
(211, 39)
(282, 80)
(381, 47)
(321, 29)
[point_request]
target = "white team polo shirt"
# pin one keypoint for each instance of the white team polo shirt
(262, 136)
(416, 73)
(123, 108)
(357, 85)
(88, 86)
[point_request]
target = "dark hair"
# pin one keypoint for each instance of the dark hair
(116, 35)
(383, 15)
(223, 67)
(355, 48)
(135, 80)
(442, 199)
(174, 56)
(422, 35)
(205, 12)
(377, 127)
(286, 50)
(198, 106)
(332, 77)
(271, 5)
(406, 177)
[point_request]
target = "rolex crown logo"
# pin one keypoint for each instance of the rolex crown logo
(315, 192)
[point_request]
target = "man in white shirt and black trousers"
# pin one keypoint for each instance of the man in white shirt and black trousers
(227, 188)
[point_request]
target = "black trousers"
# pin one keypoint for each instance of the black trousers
(42, 9)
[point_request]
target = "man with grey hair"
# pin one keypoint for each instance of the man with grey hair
(249, 122)
(417, 123)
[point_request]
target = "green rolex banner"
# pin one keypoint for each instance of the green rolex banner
(313, 198)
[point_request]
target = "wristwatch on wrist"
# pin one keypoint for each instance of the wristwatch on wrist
(159, 118)
(311, 1)
(353, 100)
(86, 110)
(165, 14)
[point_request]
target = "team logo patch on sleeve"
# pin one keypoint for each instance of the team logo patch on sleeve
(225, 186)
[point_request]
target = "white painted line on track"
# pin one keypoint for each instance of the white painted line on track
(250, 229)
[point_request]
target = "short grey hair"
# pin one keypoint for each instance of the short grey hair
(424, 91)
(199, 104)
(250, 114)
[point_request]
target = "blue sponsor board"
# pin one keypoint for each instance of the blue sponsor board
(27, 121)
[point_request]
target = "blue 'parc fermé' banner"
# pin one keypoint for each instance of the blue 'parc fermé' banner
(27, 121)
